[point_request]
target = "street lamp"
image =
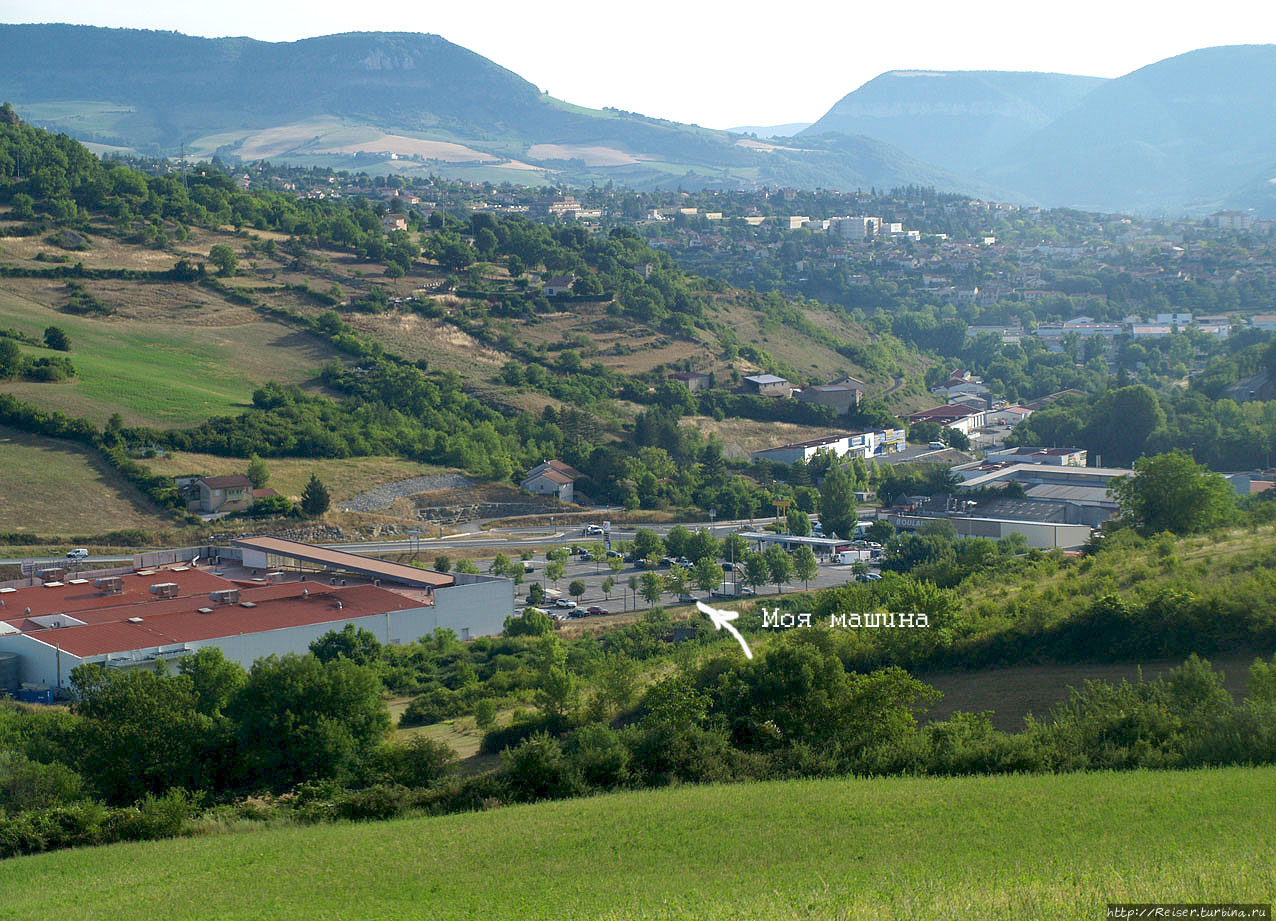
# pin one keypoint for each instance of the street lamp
(713, 513)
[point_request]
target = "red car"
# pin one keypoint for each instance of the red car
(595, 610)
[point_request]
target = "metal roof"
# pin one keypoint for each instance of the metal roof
(343, 560)
(179, 620)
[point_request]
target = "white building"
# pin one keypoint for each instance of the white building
(860, 444)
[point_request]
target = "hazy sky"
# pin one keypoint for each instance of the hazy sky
(724, 64)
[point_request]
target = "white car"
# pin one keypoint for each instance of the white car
(79, 553)
(593, 529)
(565, 603)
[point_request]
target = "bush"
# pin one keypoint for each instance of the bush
(380, 801)
(537, 769)
(600, 756)
(434, 706)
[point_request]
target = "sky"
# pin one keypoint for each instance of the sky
(726, 64)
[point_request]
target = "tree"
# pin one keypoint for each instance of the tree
(1171, 492)
(576, 588)
(56, 338)
(955, 438)
(358, 645)
(141, 731)
(556, 685)
(804, 564)
(734, 547)
(676, 580)
(676, 540)
(707, 574)
(615, 564)
(647, 543)
(535, 593)
(798, 523)
(224, 258)
(315, 498)
(10, 359)
(467, 566)
(554, 570)
(297, 718)
(632, 582)
(779, 566)
(608, 584)
(257, 472)
(880, 531)
(651, 587)
(532, 622)
(442, 564)
(484, 714)
(215, 678)
(755, 569)
(837, 503)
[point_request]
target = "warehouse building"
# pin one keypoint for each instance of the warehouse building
(136, 619)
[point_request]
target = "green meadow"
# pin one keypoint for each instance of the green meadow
(1047, 848)
(161, 374)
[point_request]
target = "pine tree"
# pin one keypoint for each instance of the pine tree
(314, 498)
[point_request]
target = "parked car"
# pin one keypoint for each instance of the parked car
(938, 445)
(566, 603)
(614, 554)
(528, 566)
(667, 561)
(595, 611)
(684, 598)
(732, 567)
(682, 561)
(79, 553)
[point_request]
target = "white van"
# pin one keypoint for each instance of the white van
(79, 553)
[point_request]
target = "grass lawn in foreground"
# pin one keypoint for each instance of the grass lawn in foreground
(1047, 848)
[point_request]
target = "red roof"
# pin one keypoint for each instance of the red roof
(341, 559)
(943, 413)
(227, 482)
(85, 599)
(178, 621)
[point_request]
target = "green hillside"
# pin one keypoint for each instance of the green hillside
(351, 100)
(1047, 848)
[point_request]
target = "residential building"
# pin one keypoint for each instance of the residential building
(767, 385)
(553, 478)
(213, 495)
(692, 380)
(392, 222)
(559, 285)
(859, 444)
(843, 395)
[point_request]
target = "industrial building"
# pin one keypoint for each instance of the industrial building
(258, 597)
(859, 444)
(1043, 534)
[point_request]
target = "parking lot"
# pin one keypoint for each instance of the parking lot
(623, 598)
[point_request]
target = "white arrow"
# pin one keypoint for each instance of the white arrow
(722, 621)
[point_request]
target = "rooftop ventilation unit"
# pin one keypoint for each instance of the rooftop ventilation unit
(204, 610)
(135, 620)
(52, 574)
(225, 596)
(248, 604)
(165, 589)
(277, 576)
(111, 585)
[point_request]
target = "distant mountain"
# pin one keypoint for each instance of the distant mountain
(391, 101)
(1189, 133)
(772, 131)
(961, 120)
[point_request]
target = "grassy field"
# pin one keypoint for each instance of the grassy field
(159, 371)
(1049, 848)
(344, 477)
(54, 487)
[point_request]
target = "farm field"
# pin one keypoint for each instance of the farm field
(159, 371)
(1050, 848)
(48, 486)
(344, 477)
